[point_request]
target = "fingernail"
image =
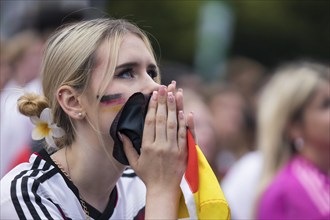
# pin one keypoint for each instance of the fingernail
(192, 113)
(170, 97)
(120, 136)
(181, 115)
(154, 95)
(173, 82)
(180, 90)
(162, 90)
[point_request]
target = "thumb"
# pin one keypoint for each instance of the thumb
(131, 154)
(191, 125)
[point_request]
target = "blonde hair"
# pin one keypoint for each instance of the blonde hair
(283, 101)
(69, 58)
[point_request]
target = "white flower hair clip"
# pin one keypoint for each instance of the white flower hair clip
(45, 128)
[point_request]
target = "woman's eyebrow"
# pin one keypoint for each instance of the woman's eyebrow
(134, 64)
(127, 65)
(152, 66)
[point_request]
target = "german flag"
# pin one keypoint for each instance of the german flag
(202, 196)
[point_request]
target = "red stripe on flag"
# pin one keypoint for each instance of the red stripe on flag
(191, 174)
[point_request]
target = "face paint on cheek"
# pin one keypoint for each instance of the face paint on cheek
(112, 102)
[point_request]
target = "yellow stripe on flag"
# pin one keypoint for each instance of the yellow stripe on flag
(203, 197)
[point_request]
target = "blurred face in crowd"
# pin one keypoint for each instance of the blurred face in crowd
(5, 72)
(28, 67)
(205, 131)
(228, 116)
(315, 127)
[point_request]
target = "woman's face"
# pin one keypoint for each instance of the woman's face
(135, 71)
(316, 119)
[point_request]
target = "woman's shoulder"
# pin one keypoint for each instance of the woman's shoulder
(26, 169)
(25, 174)
(19, 186)
(284, 177)
(284, 187)
(288, 195)
(30, 176)
(39, 186)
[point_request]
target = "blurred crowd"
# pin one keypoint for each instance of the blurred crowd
(266, 134)
(252, 123)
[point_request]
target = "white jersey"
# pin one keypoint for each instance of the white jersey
(40, 190)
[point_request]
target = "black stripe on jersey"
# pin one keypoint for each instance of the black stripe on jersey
(34, 189)
(13, 194)
(56, 170)
(47, 175)
(129, 175)
(25, 194)
(35, 185)
(129, 172)
(95, 214)
(59, 209)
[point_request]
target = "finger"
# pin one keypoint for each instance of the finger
(179, 100)
(161, 115)
(172, 87)
(182, 132)
(191, 125)
(130, 152)
(171, 120)
(149, 123)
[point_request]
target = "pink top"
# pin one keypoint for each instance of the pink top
(299, 191)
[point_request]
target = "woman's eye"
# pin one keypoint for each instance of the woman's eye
(126, 74)
(326, 103)
(153, 73)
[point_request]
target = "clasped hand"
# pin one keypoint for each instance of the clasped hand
(163, 157)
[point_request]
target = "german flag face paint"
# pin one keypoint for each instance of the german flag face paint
(112, 103)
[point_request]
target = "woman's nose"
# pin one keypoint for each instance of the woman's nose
(149, 86)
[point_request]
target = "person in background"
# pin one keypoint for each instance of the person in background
(240, 185)
(22, 55)
(90, 69)
(294, 141)
(242, 195)
(204, 125)
(248, 76)
(5, 68)
(234, 127)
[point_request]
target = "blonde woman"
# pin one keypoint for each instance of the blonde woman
(90, 69)
(293, 137)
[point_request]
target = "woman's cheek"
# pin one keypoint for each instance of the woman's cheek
(112, 103)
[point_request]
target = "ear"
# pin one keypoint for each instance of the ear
(68, 98)
(295, 130)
